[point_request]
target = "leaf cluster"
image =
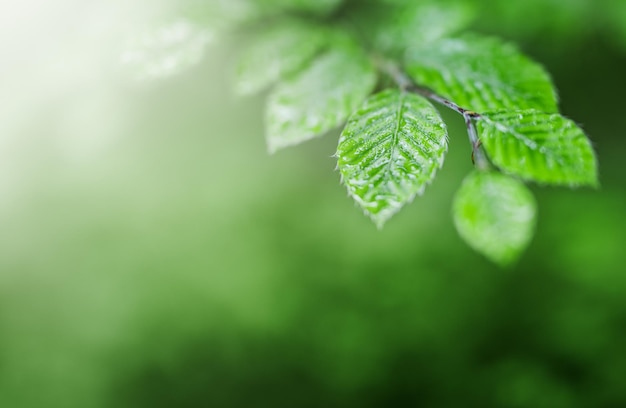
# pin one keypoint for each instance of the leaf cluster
(377, 66)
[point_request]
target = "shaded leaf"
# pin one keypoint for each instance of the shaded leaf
(229, 14)
(495, 214)
(393, 28)
(319, 98)
(390, 150)
(278, 51)
(305, 6)
(482, 74)
(542, 147)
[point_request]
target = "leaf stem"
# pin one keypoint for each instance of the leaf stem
(407, 84)
(478, 155)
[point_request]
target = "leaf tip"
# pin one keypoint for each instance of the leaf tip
(504, 262)
(379, 222)
(272, 147)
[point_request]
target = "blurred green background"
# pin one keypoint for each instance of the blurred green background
(153, 255)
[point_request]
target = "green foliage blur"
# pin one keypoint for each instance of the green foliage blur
(153, 255)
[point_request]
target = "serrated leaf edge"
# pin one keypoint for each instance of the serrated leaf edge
(531, 144)
(380, 218)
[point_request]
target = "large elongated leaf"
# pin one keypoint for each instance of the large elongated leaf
(482, 74)
(277, 52)
(390, 150)
(538, 146)
(319, 98)
(495, 215)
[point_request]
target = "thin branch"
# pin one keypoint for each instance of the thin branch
(405, 83)
(478, 155)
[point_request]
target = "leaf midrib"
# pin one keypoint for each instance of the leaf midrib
(499, 126)
(394, 137)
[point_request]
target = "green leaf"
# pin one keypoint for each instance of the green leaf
(277, 52)
(319, 98)
(393, 28)
(229, 14)
(495, 214)
(542, 147)
(303, 6)
(482, 74)
(390, 150)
